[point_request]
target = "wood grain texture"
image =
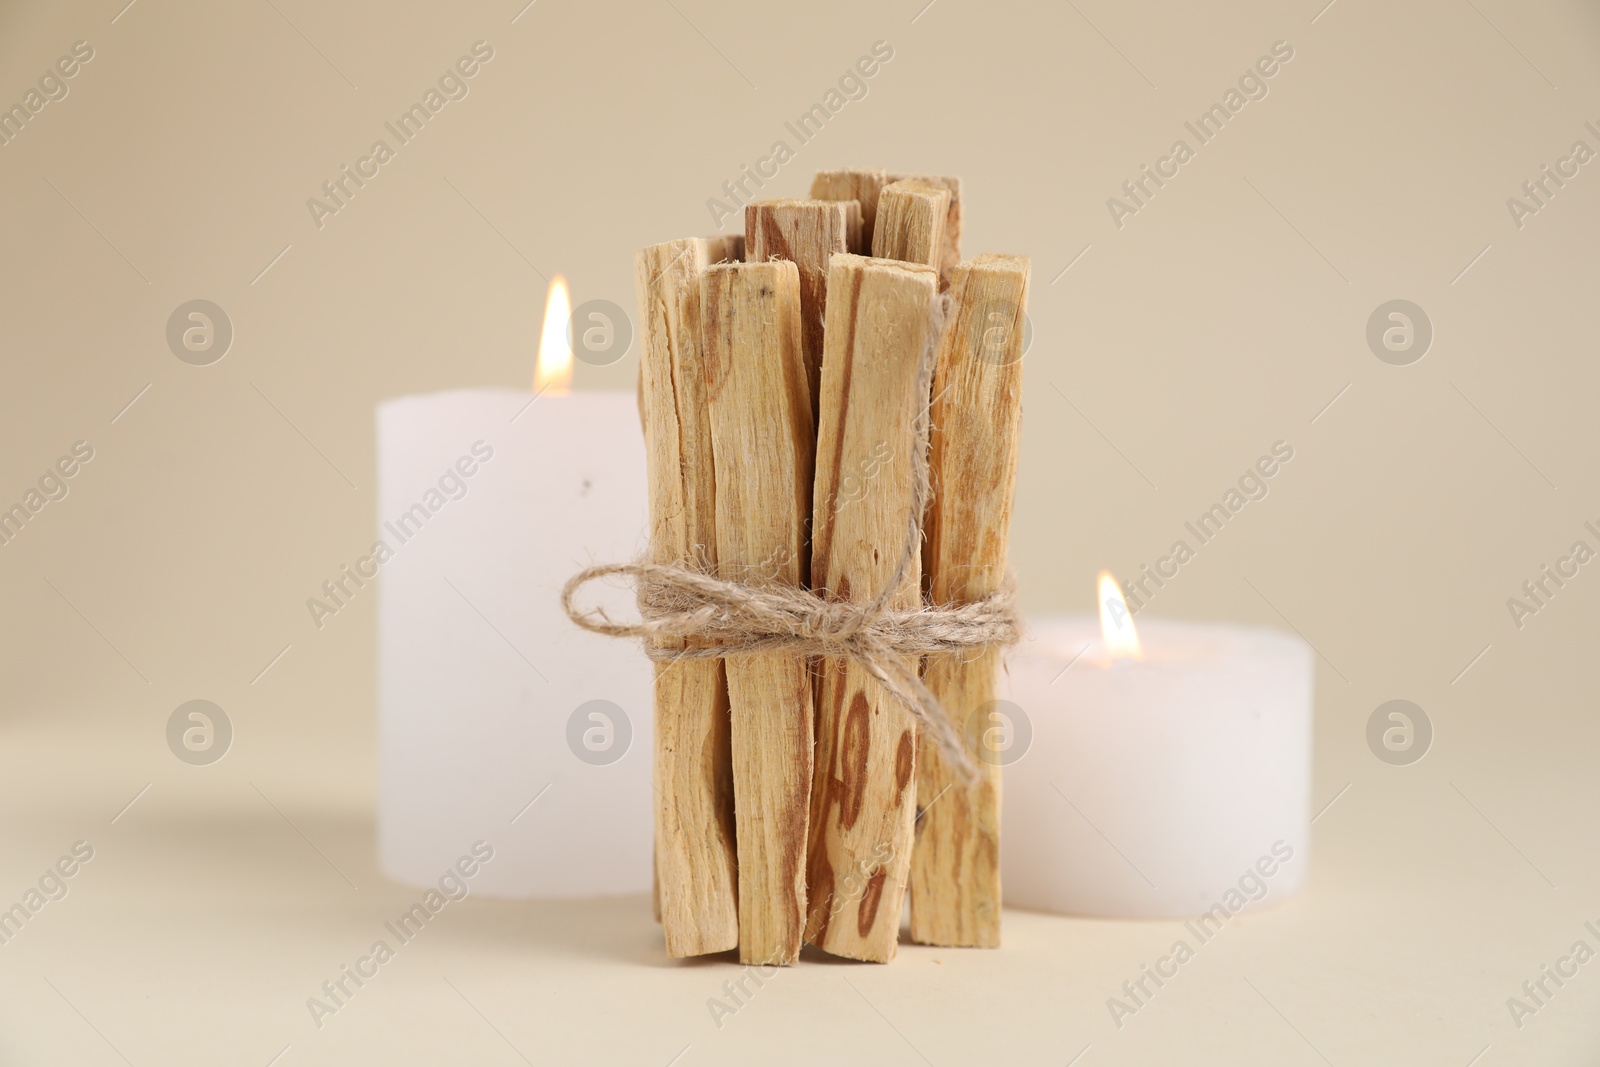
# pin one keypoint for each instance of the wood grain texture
(762, 440)
(911, 218)
(861, 185)
(807, 233)
(696, 872)
(879, 327)
(720, 248)
(977, 415)
(725, 248)
(952, 223)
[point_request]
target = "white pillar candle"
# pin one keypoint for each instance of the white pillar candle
(1157, 786)
(497, 718)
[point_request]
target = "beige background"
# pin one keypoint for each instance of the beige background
(1175, 350)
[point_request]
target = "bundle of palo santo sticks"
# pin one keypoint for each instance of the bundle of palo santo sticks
(779, 392)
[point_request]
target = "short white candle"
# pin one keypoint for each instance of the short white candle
(1162, 785)
(485, 727)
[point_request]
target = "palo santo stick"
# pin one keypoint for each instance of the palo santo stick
(696, 870)
(862, 186)
(762, 438)
(911, 217)
(720, 248)
(807, 233)
(952, 223)
(725, 248)
(863, 800)
(977, 415)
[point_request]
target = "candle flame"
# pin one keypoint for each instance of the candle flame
(1116, 621)
(553, 372)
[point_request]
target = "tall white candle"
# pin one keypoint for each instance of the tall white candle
(1160, 785)
(497, 718)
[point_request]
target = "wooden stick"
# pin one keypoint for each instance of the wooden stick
(862, 186)
(911, 217)
(696, 868)
(952, 223)
(863, 801)
(762, 438)
(725, 248)
(720, 248)
(807, 233)
(977, 414)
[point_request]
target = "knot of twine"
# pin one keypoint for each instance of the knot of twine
(686, 613)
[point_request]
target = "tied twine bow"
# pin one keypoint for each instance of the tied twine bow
(686, 613)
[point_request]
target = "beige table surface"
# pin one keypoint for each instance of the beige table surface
(218, 903)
